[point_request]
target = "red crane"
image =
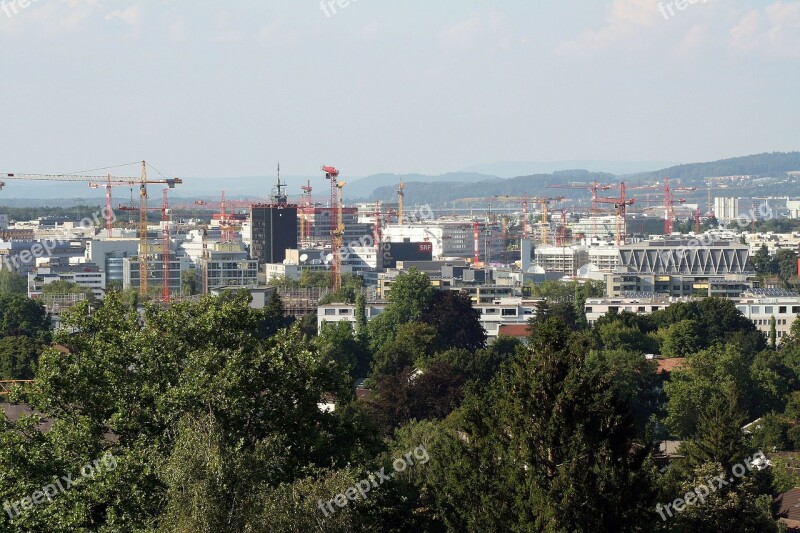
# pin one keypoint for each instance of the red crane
(593, 188)
(669, 205)
(621, 205)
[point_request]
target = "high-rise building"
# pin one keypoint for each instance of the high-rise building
(273, 228)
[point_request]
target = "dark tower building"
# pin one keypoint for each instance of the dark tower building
(273, 227)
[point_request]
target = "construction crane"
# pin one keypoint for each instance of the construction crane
(593, 187)
(544, 205)
(401, 195)
(669, 205)
(525, 222)
(338, 237)
(111, 181)
(306, 207)
(333, 175)
(143, 244)
(621, 205)
(73, 178)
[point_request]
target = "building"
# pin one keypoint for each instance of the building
(227, 265)
(493, 314)
(86, 276)
(700, 267)
(317, 222)
(273, 229)
(756, 306)
(178, 264)
(449, 238)
(564, 259)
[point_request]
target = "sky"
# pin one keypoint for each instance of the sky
(225, 89)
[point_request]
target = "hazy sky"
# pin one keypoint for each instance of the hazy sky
(228, 88)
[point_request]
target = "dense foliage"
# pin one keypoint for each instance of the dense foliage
(215, 416)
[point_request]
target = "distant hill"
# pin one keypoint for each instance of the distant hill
(510, 169)
(775, 164)
(445, 192)
(361, 189)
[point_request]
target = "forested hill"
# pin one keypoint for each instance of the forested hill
(775, 164)
(443, 192)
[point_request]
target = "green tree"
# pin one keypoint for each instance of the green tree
(457, 323)
(361, 315)
(763, 263)
(549, 433)
(718, 371)
(18, 356)
(410, 295)
(20, 315)
(189, 285)
(742, 506)
(194, 394)
(773, 333)
(681, 339)
(12, 283)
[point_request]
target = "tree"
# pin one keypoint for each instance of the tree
(201, 405)
(419, 395)
(718, 371)
(457, 323)
(12, 283)
(337, 342)
(20, 315)
(18, 356)
(742, 506)
(681, 339)
(787, 264)
(412, 345)
(410, 295)
(361, 315)
(763, 263)
(550, 435)
(189, 283)
(275, 317)
(773, 334)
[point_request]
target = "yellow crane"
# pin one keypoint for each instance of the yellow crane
(338, 236)
(400, 199)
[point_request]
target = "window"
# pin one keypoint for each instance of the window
(782, 309)
(795, 309)
(641, 310)
(588, 309)
(769, 310)
(509, 312)
(344, 311)
(756, 310)
(330, 312)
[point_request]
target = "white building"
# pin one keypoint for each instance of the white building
(503, 311)
(449, 238)
(91, 280)
(759, 309)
